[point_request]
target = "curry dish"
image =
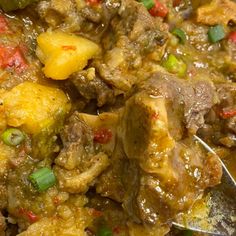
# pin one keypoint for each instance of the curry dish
(99, 102)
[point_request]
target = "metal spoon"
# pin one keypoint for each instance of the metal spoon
(221, 205)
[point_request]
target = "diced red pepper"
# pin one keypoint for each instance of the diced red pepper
(176, 3)
(96, 213)
(68, 47)
(56, 200)
(155, 115)
(228, 114)
(3, 24)
(29, 215)
(102, 135)
(93, 2)
(17, 61)
(12, 58)
(232, 36)
(159, 10)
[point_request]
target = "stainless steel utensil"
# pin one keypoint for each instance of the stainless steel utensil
(220, 202)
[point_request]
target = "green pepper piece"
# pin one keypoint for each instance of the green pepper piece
(216, 33)
(174, 65)
(148, 3)
(11, 5)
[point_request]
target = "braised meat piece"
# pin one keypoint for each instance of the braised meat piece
(173, 171)
(220, 128)
(218, 11)
(78, 164)
(134, 34)
(193, 98)
(90, 86)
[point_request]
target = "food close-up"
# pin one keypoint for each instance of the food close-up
(117, 117)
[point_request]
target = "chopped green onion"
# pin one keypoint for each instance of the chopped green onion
(180, 34)
(12, 137)
(174, 65)
(43, 179)
(104, 231)
(216, 33)
(148, 3)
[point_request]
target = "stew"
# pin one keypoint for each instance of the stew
(99, 102)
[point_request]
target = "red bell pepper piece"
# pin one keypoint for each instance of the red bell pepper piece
(17, 61)
(93, 2)
(12, 58)
(102, 135)
(176, 3)
(29, 215)
(232, 36)
(159, 9)
(228, 114)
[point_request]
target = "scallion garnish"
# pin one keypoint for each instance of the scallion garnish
(148, 3)
(12, 137)
(42, 179)
(180, 34)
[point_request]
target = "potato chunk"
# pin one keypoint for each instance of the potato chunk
(34, 107)
(64, 54)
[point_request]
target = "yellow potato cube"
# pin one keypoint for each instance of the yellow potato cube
(64, 54)
(34, 107)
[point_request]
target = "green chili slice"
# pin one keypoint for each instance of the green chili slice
(42, 179)
(12, 137)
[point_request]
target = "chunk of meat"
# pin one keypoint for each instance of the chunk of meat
(220, 127)
(78, 164)
(135, 35)
(173, 171)
(110, 183)
(217, 12)
(194, 98)
(74, 181)
(60, 12)
(78, 17)
(91, 86)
